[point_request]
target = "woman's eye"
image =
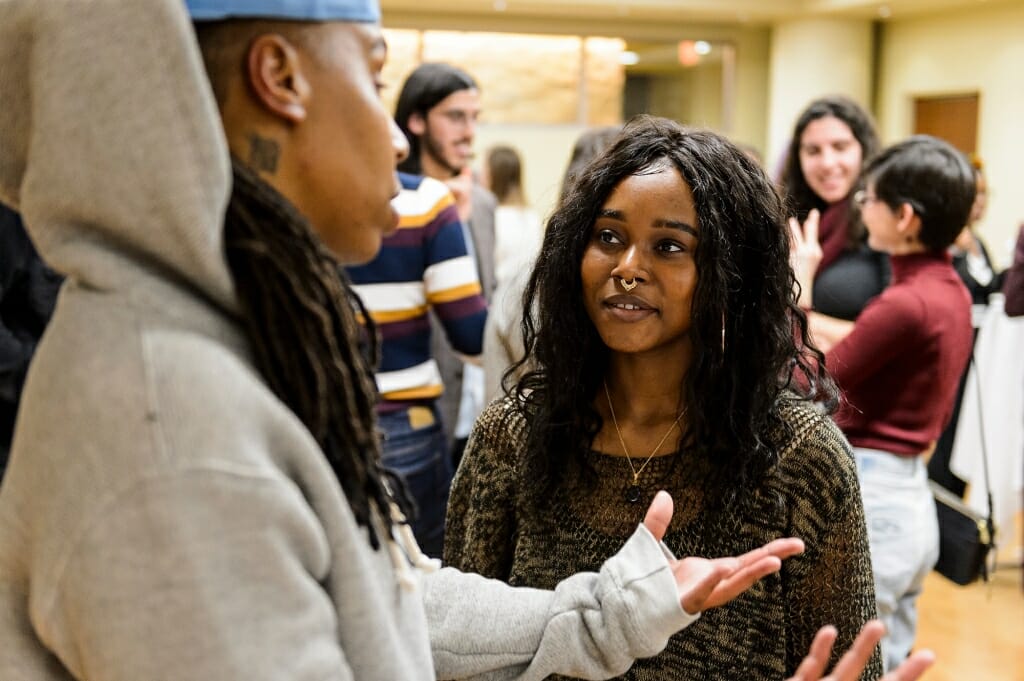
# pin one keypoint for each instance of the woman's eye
(671, 247)
(606, 236)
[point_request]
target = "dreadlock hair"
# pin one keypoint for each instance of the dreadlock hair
(736, 383)
(299, 313)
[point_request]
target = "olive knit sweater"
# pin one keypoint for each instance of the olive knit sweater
(812, 493)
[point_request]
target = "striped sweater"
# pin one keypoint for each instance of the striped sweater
(423, 266)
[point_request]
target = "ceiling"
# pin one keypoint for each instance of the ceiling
(749, 12)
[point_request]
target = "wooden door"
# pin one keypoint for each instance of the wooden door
(954, 118)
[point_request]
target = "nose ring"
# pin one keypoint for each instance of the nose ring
(628, 285)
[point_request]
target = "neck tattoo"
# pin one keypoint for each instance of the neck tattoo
(633, 491)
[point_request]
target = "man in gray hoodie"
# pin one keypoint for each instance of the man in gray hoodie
(194, 489)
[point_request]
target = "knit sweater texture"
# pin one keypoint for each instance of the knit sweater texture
(812, 493)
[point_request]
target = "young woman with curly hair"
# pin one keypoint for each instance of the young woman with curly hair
(666, 351)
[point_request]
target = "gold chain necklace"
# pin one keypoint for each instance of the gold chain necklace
(633, 491)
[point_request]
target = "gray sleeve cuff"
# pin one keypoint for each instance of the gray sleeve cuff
(592, 626)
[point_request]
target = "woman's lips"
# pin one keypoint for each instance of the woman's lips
(629, 308)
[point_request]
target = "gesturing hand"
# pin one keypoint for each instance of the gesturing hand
(705, 583)
(805, 254)
(851, 664)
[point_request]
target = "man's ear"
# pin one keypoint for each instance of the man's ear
(417, 125)
(275, 74)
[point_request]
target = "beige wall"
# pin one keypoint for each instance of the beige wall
(811, 58)
(545, 151)
(978, 50)
(693, 96)
(753, 50)
(778, 70)
(523, 78)
(747, 108)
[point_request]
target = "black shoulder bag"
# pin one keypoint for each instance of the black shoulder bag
(966, 537)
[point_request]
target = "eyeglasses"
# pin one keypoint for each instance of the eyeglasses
(862, 198)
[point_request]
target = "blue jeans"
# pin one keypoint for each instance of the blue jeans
(903, 532)
(416, 449)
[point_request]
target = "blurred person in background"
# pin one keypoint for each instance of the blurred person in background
(970, 255)
(590, 144)
(900, 365)
(438, 110)
(422, 279)
(974, 265)
(831, 140)
(518, 233)
(1013, 286)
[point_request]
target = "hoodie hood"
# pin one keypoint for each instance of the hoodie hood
(111, 145)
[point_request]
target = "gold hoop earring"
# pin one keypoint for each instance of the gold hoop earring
(632, 284)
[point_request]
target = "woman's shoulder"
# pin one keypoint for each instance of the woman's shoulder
(815, 463)
(809, 436)
(505, 414)
(501, 429)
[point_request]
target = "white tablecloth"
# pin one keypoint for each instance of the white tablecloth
(999, 357)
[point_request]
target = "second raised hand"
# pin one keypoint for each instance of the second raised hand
(853, 661)
(805, 254)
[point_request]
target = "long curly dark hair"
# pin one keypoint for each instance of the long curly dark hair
(800, 198)
(734, 389)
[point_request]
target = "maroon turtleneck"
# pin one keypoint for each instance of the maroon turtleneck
(900, 366)
(1013, 287)
(833, 233)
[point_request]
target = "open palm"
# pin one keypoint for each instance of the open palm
(705, 583)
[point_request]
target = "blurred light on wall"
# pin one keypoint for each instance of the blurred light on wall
(523, 78)
(687, 53)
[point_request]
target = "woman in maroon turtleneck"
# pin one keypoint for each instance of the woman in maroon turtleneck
(831, 140)
(899, 366)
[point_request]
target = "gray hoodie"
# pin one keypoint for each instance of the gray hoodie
(164, 515)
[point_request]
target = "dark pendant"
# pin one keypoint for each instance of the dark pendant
(633, 494)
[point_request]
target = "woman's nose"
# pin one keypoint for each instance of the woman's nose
(630, 262)
(828, 158)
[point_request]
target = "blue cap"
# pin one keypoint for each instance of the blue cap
(365, 11)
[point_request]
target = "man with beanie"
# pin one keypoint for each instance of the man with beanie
(195, 490)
